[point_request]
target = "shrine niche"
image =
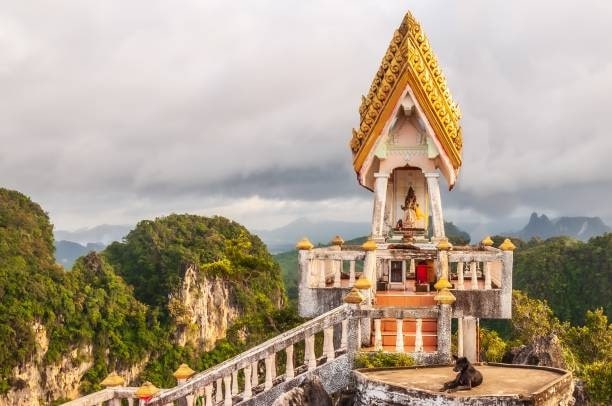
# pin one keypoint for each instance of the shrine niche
(410, 209)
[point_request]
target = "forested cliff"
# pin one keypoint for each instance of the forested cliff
(181, 288)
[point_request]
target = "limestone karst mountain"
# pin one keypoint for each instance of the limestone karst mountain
(581, 228)
(178, 289)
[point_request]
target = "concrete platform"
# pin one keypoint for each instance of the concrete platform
(502, 385)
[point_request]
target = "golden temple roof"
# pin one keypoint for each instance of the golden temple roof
(409, 61)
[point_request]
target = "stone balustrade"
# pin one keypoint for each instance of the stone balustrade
(489, 265)
(239, 380)
(221, 383)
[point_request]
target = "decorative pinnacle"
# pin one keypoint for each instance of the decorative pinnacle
(337, 240)
(362, 283)
(445, 297)
(507, 245)
(354, 297)
(146, 391)
(369, 245)
(304, 244)
(183, 372)
(444, 245)
(112, 380)
(443, 283)
(487, 241)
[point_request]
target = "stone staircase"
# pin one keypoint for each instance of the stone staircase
(419, 335)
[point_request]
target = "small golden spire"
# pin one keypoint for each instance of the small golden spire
(444, 245)
(183, 372)
(363, 283)
(443, 283)
(337, 240)
(112, 380)
(487, 241)
(445, 297)
(146, 391)
(304, 244)
(354, 297)
(369, 245)
(507, 245)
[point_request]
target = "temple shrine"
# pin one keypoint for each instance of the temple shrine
(408, 143)
(401, 291)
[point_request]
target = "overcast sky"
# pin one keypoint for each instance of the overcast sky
(116, 111)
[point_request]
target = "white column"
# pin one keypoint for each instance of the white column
(474, 275)
(351, 273)
(310, 352)
(460, 285)
(235, 382)
(344, 336)
(470, 338)
(115, 402)
(378, 344)
(487, 275)
(433, 189)
(219, 391)
(369, 270)
(399, 335)
(248, 391)
(208, 398)
(460, 337)
(328, 343)
(130, 401)
(269, 367)
(254, 377)
(289, 373)
(380, 197)
(227, 384)
(412, 267)
(418, 336)
(321, 273)
(337, 273)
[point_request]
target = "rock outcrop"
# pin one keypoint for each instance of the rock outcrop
(202, 310)
(542, 351)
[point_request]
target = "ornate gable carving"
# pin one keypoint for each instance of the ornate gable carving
(409, 61)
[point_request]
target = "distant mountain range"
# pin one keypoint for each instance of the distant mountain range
(66, 252)
(581, 228)
(104, 233)
(284, 238)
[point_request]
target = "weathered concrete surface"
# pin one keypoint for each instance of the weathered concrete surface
(484, 304)
(334, 375)
(502, 385)
(315, 301)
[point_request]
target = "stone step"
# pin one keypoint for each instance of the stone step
(383, 300)
(428, 339)
(407, 348)
(409, 325)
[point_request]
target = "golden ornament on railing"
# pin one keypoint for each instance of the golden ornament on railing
(354, 297)
(507, 245)
(146, 391)
(304, 244)
(183, 372)
(112, 380)
(444, 245)
(369, 245)
(487, 241)
(337, 241)
(444, 296)
(363, 283)
(442, 284)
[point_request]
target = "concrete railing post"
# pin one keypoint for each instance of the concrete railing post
(289, 372)
(399, 335)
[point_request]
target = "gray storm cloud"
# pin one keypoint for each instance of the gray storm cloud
(114, 111)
